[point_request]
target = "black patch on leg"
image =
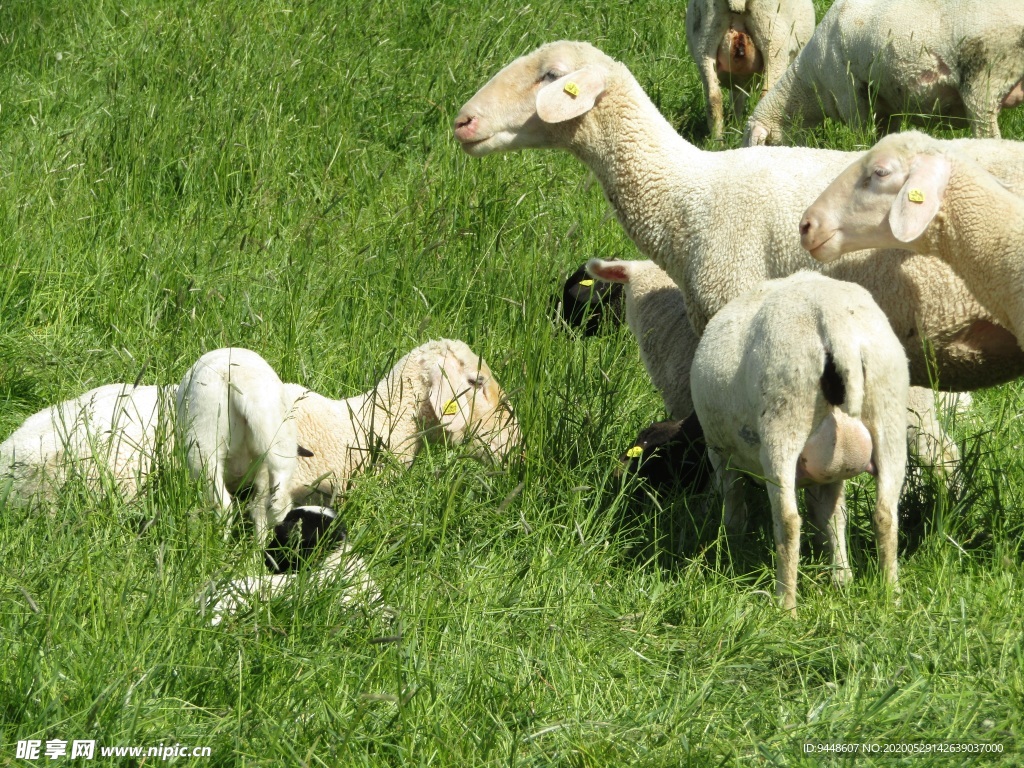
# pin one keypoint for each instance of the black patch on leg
(832, 385)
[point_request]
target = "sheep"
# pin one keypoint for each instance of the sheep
(585, 303)
(440, 391)
(737, 39)
(802, 382)
(913, 192)
(303, 531)
(720, 223)
(232, 416)
(114, 431)
(669, 454)
(241, 594)
(889, 58)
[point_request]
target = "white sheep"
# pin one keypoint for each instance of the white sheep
(888, 58)
(114, 431)
(656, 314)
(233, 419)
(911, 191)
(440, 391)
(720, 223)
(802, 382)
(733, 40)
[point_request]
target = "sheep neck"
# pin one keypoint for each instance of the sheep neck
(979, 233)
(389, 417)
(647, 170)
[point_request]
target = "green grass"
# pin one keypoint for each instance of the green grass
(176, 177)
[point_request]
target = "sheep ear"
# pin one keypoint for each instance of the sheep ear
(448, 394)
(609, 271)
(572, 95)
(920, 198)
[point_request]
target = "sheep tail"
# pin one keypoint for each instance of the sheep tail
(737, 6)
(842, 375)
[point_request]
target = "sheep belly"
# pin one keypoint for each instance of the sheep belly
(840, 448)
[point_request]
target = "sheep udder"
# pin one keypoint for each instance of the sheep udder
(840, 448)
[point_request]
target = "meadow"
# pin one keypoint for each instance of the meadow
(177, 177)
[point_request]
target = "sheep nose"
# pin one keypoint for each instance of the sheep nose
(808, 230)
(465, 126)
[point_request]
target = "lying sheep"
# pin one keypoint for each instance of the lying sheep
(889, 58)
(802, 382)
(913, 192)
(736, 39)
(114, 432)
(233, 418)
(720, 223)
(439, 391)
(585, 304)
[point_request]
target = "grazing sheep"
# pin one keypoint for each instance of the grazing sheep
(112, 431)
(303, 531)
(439, 391)
(669, 454)
(736, 39)
(888, 58)
(233, 418)
(911, 191)
(585, 304)
(656, 314)
(720, 223)
(802, 382)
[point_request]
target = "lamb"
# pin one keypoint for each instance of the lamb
(889, 58)
(441, 391)
(585, 304)
(232, 416)
(913, 192)
(669, 454)
(303, 531)
(115, 431)
(737, 39)
(802, 382)
(720, 223)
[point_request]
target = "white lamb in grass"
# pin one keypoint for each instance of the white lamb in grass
(803, 383)
(112, 432)
(721, 223)
(914, 192)
(881, 59)
(441, 391)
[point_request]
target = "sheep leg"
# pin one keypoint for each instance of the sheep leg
(786, 522)
(891, 463)
(827, 507)
(713, 90)
(728, 487)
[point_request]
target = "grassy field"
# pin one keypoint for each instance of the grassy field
(176, 177)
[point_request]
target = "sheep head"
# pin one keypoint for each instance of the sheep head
(465, 401)
(525, 104)
(886, 199)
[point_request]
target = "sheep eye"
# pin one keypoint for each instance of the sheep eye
(882, 172)
(549, 77)
(477, 381)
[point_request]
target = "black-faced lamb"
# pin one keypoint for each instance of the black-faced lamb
(734, 40)
(303, 532)
(802, 382)
(720, 223)
(670, 454)
(885, 59)
(913, 192)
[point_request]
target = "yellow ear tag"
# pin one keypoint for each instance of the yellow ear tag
(635, 452)
(915, 196)
(450, 408)
(586, 282)
(572, 89)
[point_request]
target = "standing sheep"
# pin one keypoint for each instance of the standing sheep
(802, 382)
(441, 391)
(911, 191)
(887, 58)
(112, 431)
(720, 223)
(736, 39)
(233, 418)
